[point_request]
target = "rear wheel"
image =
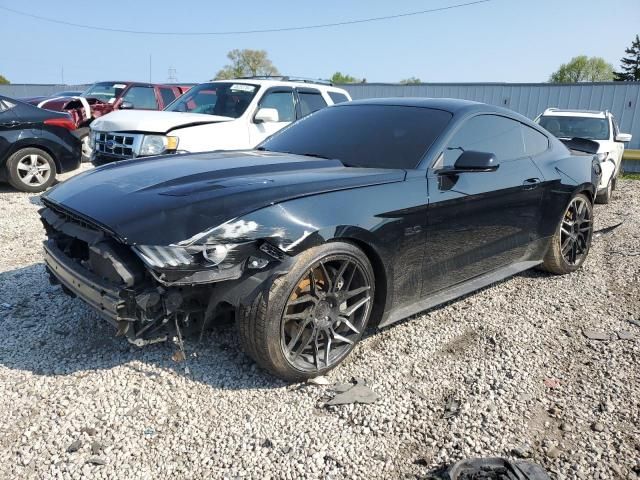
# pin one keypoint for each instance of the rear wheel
(31, 170)
(313, 316)
(570, 244)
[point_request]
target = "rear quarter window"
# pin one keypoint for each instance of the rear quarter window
(534, 142)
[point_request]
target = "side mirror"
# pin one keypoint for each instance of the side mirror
(472, 161)
(623, 137)
(126, 106)
(266, 115)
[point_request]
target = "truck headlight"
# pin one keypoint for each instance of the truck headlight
(158, 144)
(92, 139)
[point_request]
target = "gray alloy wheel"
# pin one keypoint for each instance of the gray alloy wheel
(310, 318)
(325, 314)
(570, 245)
(31, 170)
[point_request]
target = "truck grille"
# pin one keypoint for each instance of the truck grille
(120, 145)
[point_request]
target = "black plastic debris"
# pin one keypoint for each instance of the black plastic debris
(606, 230)
(495, 469)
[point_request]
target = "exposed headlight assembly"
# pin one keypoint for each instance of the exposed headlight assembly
(198, 264)
(157, 145)
(182, 257)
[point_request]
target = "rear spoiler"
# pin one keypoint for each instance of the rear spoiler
(581, 144)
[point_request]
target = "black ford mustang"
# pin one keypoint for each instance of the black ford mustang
(362, 213)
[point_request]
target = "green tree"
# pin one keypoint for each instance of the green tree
(630, 65)
(341, 78)
(247, 63)
(410, 81)
(4, 81)
(583, 69)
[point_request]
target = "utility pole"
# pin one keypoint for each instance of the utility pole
(150, 68)
(62, 74)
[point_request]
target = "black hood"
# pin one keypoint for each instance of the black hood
(165, 200)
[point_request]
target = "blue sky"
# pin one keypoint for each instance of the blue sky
(499, 41)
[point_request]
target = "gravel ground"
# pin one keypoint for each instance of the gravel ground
(78, 403)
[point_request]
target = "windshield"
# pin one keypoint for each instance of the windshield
(223, 99)
(371, 136)
(572, 127)
(106, 91)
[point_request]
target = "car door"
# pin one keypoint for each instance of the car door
(480, 221)
(283, 101)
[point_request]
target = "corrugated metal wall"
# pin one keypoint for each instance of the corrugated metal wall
(17, 90)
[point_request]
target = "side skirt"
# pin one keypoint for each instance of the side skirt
(456, 291)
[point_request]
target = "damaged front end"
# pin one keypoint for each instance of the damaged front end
(148, 292)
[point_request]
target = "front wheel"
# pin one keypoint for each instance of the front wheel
(85, 146)
(313, 316)
(571, 242)
(605, 197)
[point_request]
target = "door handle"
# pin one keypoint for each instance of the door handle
(12, 123)
(530, 183)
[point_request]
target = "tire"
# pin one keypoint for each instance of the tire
(83, 135)
(570, 244)
(605, 197)
(287, 331)
(31, 170)
(614, 183)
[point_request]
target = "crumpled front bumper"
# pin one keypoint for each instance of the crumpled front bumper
(108, 300)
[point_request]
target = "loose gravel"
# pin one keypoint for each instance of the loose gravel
(538, 366)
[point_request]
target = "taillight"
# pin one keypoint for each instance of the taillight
(61, 122)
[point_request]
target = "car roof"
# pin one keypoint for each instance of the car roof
(452, 105)
(281, 83)
(575, 113)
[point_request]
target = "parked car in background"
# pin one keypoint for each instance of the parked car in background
(35, 145)
(598, 126)
(38, 99)
(222, 115)
(367, 210)
(104, 97)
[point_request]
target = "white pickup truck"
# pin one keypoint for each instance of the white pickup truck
(220, 115)
(600, 127)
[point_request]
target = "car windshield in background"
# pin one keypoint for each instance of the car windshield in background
(371, 136)
(572, 127)
(107, 92)
(222, 99)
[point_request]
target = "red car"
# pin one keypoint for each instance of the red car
(104, 97)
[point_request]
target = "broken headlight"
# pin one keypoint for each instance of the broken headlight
(172, 256)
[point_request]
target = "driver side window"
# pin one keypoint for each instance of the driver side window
(486, 133)
(142, 98)
(282, 101)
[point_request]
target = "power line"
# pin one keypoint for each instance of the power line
(243, 32)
